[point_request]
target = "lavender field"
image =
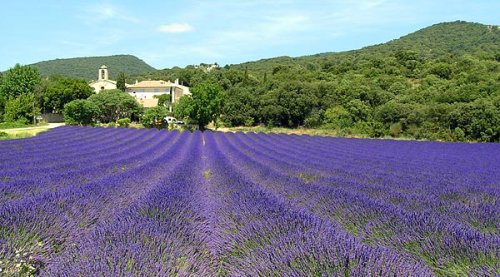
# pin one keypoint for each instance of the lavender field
(78, 201)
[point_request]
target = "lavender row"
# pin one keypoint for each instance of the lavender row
(105, 202)
(160, 233)
(271, 237)
(16, 187)
(376, 221)
(46, 224)
(477, 209)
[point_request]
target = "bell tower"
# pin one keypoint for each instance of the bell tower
(103, 73)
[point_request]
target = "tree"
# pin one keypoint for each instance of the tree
(80, 112)
(62, 90)
(21, 108)
(358, 110)
(19, 80)
(338, 117)
(120, 82)
(240, 107)
(155, 118)
(115, 104)
(204, 106)
(2, 106)
(164, 100)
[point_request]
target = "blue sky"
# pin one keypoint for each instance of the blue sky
(183, 32)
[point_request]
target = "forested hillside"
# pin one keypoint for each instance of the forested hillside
(450, 39)
(442, 82)
(439, 83)
(86, 67)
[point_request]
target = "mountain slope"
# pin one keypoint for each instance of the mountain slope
(437, 41)
(449, 38)
(86, 67)
(439, 83)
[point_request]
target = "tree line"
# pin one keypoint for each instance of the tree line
(455, 99)
(24, 95)
(403, 94)
(440, 83)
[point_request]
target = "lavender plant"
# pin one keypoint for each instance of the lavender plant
(79, 201)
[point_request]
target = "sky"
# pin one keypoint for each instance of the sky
(166, 33)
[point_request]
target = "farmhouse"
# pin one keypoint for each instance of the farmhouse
(144, 92)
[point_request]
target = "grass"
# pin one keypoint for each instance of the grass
(17, 130)
(6, 134)
(207, 174)
(301, 131)
(296, 131)
(309, 131)
(12, 125)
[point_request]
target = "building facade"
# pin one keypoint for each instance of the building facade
(103, 81)
(145, 91)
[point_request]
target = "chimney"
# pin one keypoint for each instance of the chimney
(177, 81)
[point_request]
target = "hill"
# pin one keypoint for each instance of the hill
(438, 83)
(437, 41)
(86, 67)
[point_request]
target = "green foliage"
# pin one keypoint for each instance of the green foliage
(155, 118)
(81, 112)
(439, 83)
(315, 119)
(164, 100)
(17, 88)
(19, 80)
(240, 108)
(86, 68)
(288, 104)
(338, 117)
(115, 104)
(204, 106)
(120, 82)
(395, 129)
(61, 90)
(479, 120)
(123, 122)
(21, 109)
(3, 99)
(12, 125)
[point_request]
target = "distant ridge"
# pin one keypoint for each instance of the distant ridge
(437, 41)
(86, 67)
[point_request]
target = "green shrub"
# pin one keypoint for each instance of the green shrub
(123, 122)
(459, 134)
(115, 104)
(154, 118)
(249, 121)
(15, 124)
(80, 112)
(21, 109)
(314, 119)
(395, 130)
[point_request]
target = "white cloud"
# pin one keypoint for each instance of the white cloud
(105, 11)
(175, 28)
(370, 4)
(102, 12)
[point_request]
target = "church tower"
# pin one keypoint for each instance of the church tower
(103, 73)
